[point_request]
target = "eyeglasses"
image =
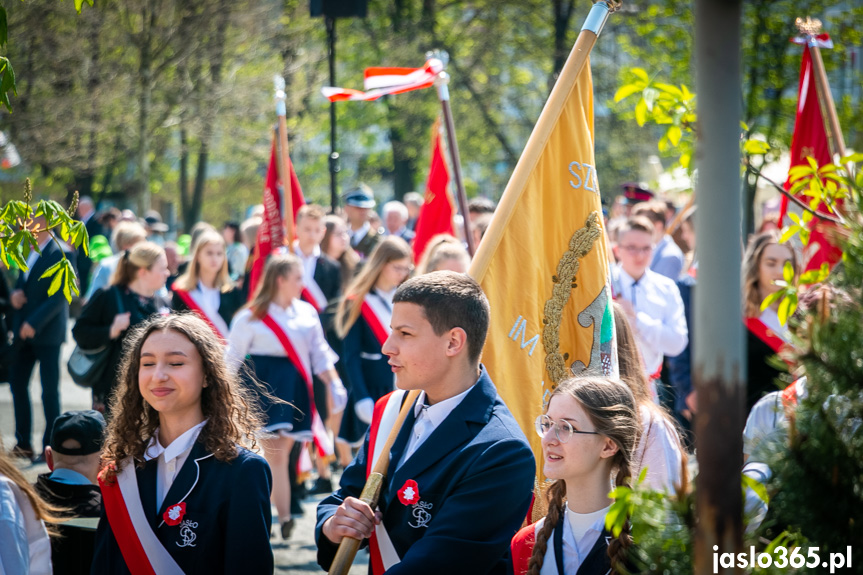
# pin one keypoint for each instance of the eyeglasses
(403, 269)
(635, 250)
(563, 429)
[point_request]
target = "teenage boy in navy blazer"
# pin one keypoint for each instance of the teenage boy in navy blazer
(461, 471)
(39, 326)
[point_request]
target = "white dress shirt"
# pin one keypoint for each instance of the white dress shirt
(428, 418)
(310, 264)
(659, 451)
(356, 236)
(770, 318)
(299, 320)
(170, 459)
(209, 300)
(660, 327)
(580, 533)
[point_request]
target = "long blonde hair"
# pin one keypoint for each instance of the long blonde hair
(278, 266)
(189, 279)
(391, 249)
(140, 256)
(751, 267)
(44, 510)
(612, 411)
(440, 248)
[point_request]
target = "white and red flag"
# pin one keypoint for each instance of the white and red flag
(381, 81)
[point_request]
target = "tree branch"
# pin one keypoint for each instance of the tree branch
(822, 216)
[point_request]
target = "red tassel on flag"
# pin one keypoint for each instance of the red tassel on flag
(436, 213)
(810, 140)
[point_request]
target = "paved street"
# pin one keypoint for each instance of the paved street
(295, 556)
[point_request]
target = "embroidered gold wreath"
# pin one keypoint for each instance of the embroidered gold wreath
(580, 245)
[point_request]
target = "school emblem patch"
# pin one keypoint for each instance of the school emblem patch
(409, 494)
(174, 514)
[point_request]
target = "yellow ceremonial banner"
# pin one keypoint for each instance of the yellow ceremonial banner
(543, 262)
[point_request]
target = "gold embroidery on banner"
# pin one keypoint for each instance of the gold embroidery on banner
(564, 282)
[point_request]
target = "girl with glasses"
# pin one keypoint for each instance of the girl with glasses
(589, 433)
(363, 323)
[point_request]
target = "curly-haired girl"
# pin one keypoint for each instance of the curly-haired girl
(589, 433)
(180, 491)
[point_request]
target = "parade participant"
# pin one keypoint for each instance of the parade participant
(123, 237)
(589, 433)
(206, 287)
(336, 244)
(363, 323)
(358, 205)
(322, 282)
(763, 265)
(413, 202)
(24, 543)
(39, 321)
(667, 256)
(321, 274)
(651, 301)
(634, 194)
(129, 300)
(444, 252)
(236, 252)
(461, 471)
(659, 448)
(283, 339)
(74, 459)
(180, 492)
(395, 216)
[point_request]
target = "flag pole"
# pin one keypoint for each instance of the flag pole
(835, 140)
(441, 83)
(590, 31)
(371, 491)
(283, 162)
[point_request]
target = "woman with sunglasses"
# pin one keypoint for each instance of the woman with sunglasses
(363, 323)
(589, 433)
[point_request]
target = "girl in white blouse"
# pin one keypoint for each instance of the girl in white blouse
(281, 341)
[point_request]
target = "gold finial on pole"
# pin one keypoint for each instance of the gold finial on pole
(808, 26)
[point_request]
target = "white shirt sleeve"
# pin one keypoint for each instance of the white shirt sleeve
(239, 340)
(322, 355)
(766, 416)
(669, 332)
(26, 547)
(660, 454)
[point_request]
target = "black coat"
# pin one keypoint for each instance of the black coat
(47, 314)
(93, 328)
(72, 550)
(328, 276)
(228, 502)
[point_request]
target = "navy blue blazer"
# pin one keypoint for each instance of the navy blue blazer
(47, 314)
(230, 502)
(474, 474)
(369, 373)
(328, 276)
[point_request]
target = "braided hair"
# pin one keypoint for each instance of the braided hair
(611, 408)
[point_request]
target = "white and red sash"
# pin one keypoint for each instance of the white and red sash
(322, 438)
(217, 324)
(378, 316)
(312, 294)
(142, 551)
(383, 554)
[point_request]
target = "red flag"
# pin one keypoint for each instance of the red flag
(436, 213)
(810, 140)
(271, 234)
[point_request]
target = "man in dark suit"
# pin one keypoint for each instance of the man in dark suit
(461, 472)
(395, 216)
(39, 327)
(87, 214)
(358, 205)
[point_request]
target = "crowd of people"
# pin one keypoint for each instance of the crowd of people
(199, 369)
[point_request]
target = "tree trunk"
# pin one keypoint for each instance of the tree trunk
(562, 16)
(145, 79)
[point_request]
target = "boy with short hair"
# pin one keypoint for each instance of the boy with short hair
(461, 471)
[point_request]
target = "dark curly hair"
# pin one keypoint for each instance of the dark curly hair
(230, 407)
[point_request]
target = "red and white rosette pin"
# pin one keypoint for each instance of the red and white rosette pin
(409, 494)
(174, 514)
